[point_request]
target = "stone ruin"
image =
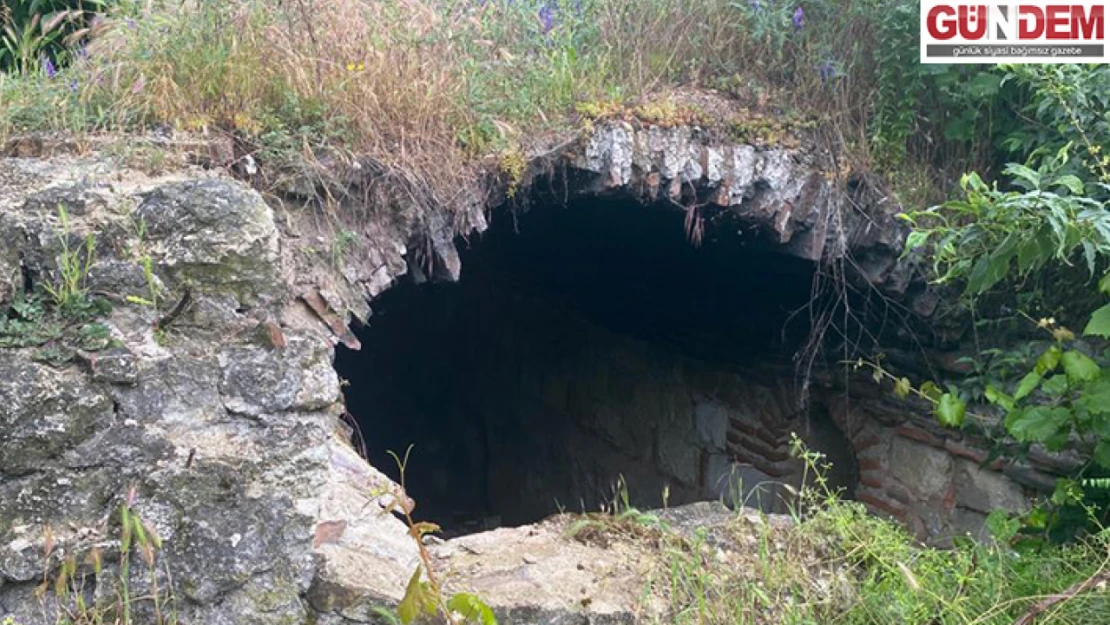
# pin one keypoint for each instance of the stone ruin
(539, 357)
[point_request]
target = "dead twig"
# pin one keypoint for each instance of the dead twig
(1099, 579)
(183, 303)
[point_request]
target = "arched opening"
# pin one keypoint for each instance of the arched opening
(586, 343)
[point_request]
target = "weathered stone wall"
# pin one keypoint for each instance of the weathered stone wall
(570, 406)
(612, 405)
(939, 482)
(220, 426)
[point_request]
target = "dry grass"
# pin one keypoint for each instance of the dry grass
(430, 88)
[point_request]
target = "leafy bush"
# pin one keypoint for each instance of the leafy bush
(1067, 110)
(1053, 221)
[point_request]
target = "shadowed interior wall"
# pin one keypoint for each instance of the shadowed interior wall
(583, 344)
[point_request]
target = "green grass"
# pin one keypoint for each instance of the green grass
(431, 87)
(843, 566)
(837, 564)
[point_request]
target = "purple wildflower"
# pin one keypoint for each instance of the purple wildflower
(48, 67)
(828, 71)
(754, 4)
(73, 85)
(799, 19)
(547, 17)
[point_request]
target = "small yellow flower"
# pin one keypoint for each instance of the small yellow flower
(197, 123)
(246, 123)
(356, 67)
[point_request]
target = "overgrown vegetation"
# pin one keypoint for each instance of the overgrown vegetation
(836, 563)
(59, 315)
(1045, 236)
(429, 87)
(37, 34)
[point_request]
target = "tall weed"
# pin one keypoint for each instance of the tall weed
(426, 86)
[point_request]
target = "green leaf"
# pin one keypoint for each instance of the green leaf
(1059, 440)
(418, 600)
(1099, 325)
(916, 239)
(1055, 386)
(1096, 397)
(1090, 254)
(1079, 367)
(998, 398)
(1035, 250)
(1049, 360)
(990, 270)
(902, 388)
(1104, 284)
(1023, 173)
(1038, 423)
(1102, 454)
(1037, 518)
(1071, 182)
(472, 609)
(385, 615)
(931, 391)
(1002, 525)
(140, 530)
(1067, 491)
(984, 85)
(1027, 385)
(950, 411)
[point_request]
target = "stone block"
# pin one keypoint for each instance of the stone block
(925, 470)
(738, 484)
(45, 412)
(214, 232)
(679, 456)
(117, 366)
(711, 419)
(965, 522)
(984, 490)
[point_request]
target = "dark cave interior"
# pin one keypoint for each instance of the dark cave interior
(584, 342)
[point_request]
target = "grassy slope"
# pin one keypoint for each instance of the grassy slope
(837, 564)
(432, 86)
